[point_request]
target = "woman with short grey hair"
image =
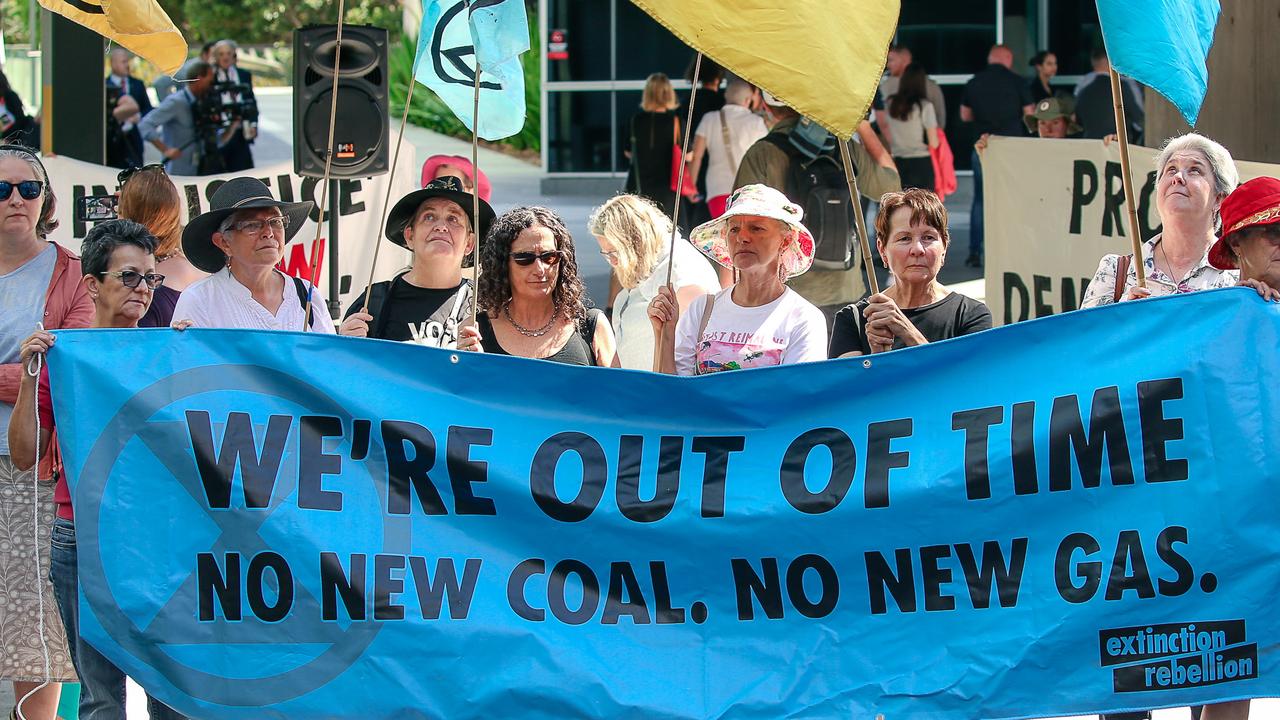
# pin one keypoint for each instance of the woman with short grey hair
(1193, 175)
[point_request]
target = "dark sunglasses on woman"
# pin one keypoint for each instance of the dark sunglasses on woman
(131, 279)
(28, 189)
(123, 176)
(524, 259)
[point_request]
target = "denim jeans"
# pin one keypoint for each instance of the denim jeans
(975, 210)
(101, 683)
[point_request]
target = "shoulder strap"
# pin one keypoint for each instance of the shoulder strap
(702, 328)
(728, 149)
(301, 288)
(1122, 275)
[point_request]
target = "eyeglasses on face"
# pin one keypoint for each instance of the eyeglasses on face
(610, 255)
(28, 189)
(255, 227)
(550, 257)
(123, 176)
(131, 278)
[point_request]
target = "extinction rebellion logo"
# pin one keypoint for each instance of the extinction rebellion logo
(1178, 655)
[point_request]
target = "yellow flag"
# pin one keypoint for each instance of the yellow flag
(140, 26)
(823, 58)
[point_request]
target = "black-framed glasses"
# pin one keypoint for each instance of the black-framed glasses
(255, 227)
(550, 257)
(131, 278)
(123, 176)
(28, 189)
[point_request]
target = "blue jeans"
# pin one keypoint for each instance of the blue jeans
(101, 683)
(975, 210)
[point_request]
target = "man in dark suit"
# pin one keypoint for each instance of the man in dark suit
(127, 103)
(236, 152)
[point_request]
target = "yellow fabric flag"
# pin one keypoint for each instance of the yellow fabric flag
(140, 26)
(823, 58)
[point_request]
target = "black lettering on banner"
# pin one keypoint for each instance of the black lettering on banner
(751, 587)
(901, 583)
(1185, 576)
(1022, 436)
(934, 577)
(1090, 571)
(284, 185)
(1144, 206)
(715, 469)
(385, 584)
(348, 205)
(444, 585)
(542, 476)
(627, 492)
(212, 582)
(556, 596)
(1042, 284)
(665, 612)
(624, 596)
(976, 425)
(335, 584)
(1082, 171)
(254, 586)
(1129, 554)
(881, 459)
(1012, 284)
(465, 472)
(404, 472)
(829, 581)
(257, 471)
(843, 466)
(1112, 224)
(1158, 430)
(212, 188)
(1069, 296)
(1067, 437)
(1007, 577)
(516, 597)
(194, 205)
(314, 463)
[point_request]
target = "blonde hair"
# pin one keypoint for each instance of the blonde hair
(637, 229)
(658, 96)
(150, 199)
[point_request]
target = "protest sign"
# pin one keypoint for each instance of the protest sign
(1051, 518)
(1053, 208)
(358, 203)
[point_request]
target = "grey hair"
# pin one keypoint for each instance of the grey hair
(227, 42)
(1225, 175)
(738, 92)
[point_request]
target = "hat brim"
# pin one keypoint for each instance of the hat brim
(1220, 255)
(403, 211)
(1033, 124)
(709, 238)
(197, 237)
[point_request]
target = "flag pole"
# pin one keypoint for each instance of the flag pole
(859, 219)
(659, 344)
(386, 201)
(328, 165)
(1122, 134)
(475, 195)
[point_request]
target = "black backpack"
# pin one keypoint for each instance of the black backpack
(816, 182)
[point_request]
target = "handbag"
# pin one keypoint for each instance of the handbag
(690, 187)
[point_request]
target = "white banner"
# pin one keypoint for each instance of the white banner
(1053, 208)
(358, 201)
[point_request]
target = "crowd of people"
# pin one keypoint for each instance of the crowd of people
(751, 285)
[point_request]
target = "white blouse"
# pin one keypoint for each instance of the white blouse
(220, 301)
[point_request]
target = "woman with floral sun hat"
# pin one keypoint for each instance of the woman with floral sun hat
(758, 321)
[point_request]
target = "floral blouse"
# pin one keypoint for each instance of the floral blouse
(1202, 277)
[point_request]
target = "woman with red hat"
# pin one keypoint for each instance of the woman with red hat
(1250, 239)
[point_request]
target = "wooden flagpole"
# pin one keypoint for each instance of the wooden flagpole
(386, 201)
(859, 219)
(475, 196)
(328, 164)
(1122, 134)
(659, 346)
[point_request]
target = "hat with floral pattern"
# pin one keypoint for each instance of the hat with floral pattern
(761, 201)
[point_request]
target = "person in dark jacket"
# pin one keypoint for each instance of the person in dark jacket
(127, 104)
(654, 132)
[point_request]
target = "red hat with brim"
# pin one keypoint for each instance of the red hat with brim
(1254, 203)
(481, 181)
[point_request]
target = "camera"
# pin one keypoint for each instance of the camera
(96, 208)
(225, 103)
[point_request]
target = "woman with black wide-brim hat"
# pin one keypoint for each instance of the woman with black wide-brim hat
(430, 303)
(240, 240)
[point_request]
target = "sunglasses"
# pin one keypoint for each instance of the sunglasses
(28, 189)
(131, 279)
(124, 175)
(550, 257)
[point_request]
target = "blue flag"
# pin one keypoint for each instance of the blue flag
(449, 44)
(1163, 44)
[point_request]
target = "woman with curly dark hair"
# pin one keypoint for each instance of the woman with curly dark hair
(533, 299)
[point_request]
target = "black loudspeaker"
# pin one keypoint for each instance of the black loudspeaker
(361, 130)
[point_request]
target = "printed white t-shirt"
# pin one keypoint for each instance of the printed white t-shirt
(785, 331)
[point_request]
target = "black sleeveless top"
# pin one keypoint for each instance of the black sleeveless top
(578, 350)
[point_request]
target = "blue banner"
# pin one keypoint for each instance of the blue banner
(1062, 516)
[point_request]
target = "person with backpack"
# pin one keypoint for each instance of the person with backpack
(913, 129)
(801, 159)
(430, 303)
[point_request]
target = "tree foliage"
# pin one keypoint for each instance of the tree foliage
(262, 22)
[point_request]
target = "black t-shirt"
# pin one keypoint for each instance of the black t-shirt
(428, 316)
(952, 316)
(997, 95)
(579, 349)
(1096, 111)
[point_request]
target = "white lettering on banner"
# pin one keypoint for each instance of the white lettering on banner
(358, 203)
(1053, 208)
